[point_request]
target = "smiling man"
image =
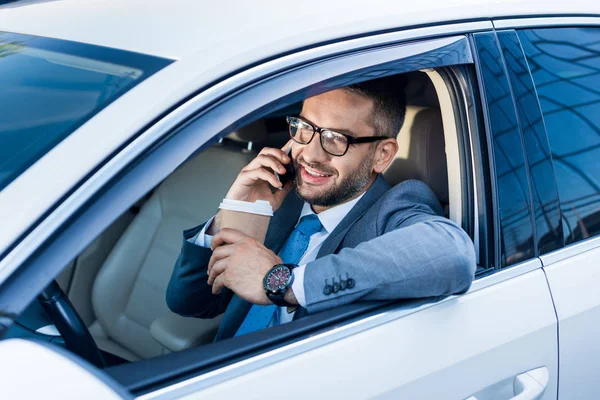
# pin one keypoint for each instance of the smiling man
(339, 233)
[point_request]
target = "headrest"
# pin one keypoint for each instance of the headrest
(421, 151)
(254, 132)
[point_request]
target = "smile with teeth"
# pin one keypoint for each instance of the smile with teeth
(314, 173)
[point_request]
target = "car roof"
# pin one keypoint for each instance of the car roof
(178, 28)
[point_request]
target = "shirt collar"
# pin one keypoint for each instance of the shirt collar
(331, 217)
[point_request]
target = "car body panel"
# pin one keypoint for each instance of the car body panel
(54, 374)
(574, 284)
(452, 350)
(182, 28)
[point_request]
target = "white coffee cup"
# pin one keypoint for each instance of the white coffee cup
(250, 218)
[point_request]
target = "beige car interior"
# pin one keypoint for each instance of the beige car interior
(118, 283)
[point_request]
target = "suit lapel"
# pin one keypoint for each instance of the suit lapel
(377, 189)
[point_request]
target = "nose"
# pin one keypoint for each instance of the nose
(313, 152)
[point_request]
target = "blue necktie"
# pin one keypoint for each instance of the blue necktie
(259, 317)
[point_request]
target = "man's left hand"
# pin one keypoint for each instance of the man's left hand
(240, 263)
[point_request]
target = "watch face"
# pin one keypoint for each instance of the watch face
(278, 278)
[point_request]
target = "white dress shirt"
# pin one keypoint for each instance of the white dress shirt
(329, 218)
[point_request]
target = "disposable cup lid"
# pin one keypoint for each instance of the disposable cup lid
(260, 207)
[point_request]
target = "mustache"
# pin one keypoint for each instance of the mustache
(318, 166)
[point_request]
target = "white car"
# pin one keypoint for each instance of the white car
(116, 116)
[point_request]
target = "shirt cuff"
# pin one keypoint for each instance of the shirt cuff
(202, 239)
(298, 285)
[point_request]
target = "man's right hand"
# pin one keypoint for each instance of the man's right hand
(253, 181)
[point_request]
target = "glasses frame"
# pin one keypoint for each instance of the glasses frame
(349, 139)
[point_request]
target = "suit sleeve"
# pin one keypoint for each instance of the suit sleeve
(418, 254)
(188, 293)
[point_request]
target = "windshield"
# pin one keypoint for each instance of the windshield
(49, 87)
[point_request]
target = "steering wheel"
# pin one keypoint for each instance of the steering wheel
(76, 335)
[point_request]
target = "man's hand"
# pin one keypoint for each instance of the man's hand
(253, 181)
(240, 263)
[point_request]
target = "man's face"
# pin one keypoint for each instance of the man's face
(324, 180)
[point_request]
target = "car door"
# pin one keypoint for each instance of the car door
(563, 56)
(496, 341)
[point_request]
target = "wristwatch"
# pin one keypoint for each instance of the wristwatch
(277, 282)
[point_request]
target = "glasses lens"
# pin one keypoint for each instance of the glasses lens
(334, 143)
(300, 131)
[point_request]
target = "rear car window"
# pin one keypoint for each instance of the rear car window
(565, 65)
(49, 87)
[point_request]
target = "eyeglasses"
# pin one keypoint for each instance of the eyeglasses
(334, 143)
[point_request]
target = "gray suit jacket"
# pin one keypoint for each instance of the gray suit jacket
(393, 244)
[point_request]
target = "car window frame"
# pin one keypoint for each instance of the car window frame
(130, 175)
(118, 166)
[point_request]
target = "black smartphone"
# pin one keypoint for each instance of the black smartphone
(290, 171)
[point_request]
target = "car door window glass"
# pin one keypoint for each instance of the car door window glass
(544, 194)
(565, 65)
(511, 176)
(49, 87)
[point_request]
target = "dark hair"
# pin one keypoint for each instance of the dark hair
(389, 102)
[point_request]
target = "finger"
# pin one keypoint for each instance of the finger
(218, 268)
(227, 236)
(288, 146)
(218, 284)
(260, 174)
(220, 253)
(279, 154)
(265, 161)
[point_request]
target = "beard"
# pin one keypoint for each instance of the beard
(341, 191)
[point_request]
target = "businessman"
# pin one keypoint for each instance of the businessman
(339, 232)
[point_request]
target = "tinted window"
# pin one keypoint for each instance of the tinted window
(544, 194)
(565, 64)
(513, 192)
(50, 87)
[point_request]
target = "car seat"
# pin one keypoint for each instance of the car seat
(129, 291)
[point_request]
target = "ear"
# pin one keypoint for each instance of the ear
(384, 154)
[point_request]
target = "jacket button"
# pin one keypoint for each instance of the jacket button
(350, 283)
(343, 284)
(336, 287)
(327, 290)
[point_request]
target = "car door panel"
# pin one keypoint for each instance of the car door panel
(577, 300)
(451, 350)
